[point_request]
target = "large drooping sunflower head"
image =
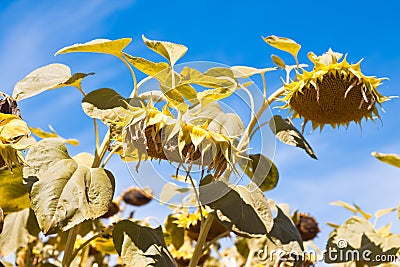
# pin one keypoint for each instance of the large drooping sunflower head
(153, 133)
(334, 92)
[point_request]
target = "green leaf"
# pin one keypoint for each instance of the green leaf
(245, 72)
(19, 228)
(104, 104)
(13, 193)
(344, 205)
(284, 44)
(172, 52)
(261, 170)
(237, 206)
(392, 159)
(288, 134)
(141, 246)
(42, 79)
(76, 79)
(278, 61)
(383, 212)
(176, 234)
(67, 193)
(104, 46)
(285, 231)
(146, 66)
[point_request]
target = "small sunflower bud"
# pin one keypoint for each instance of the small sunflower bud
(112, 210)
(136, 196)
(307, 227)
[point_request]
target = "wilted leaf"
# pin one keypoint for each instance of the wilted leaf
(146, 66)
(363, 213)
(66, 193)
(45, 78)
(245, 72)
(104, 104)
(18, 228)
(228, 124)
(169, 191)
(352, 231)
(172, 52)
(392, 159)
(76, 79)
(193, 76)
(8, 105)
(278, 61)
(141, 246)
(284, 44)
(13, 193)
(262, 171)
(344, 205)
(238, 206)
(288, 134)
(175, 233)
(383, 212)
(285, 231)
(104, 46)
(43, 134)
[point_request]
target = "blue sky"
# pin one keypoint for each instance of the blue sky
(229, 33)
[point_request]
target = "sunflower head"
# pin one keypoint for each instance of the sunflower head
(334, 92)
(306, 225)
(192, 224)
(157, 134)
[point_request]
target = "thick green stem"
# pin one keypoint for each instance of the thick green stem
(69, 247)
(198, 251)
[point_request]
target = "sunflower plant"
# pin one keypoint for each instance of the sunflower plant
(58, 209)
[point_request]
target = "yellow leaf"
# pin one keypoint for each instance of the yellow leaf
(245, 72)
(193, 76)
(12, 128)
(383, 212)
(146, 66)
(172, 52)
(208, 96)
(42, 134)
(104, 46)
(285, 44)
(48, 77)
(104, 245)
(344, 205)
(384, 231)
(14, 195)
(363, 213)
(278, 61)
(392, 159)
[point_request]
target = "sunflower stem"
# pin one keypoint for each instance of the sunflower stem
(274, 96)
(204, 229)
(135, 87)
